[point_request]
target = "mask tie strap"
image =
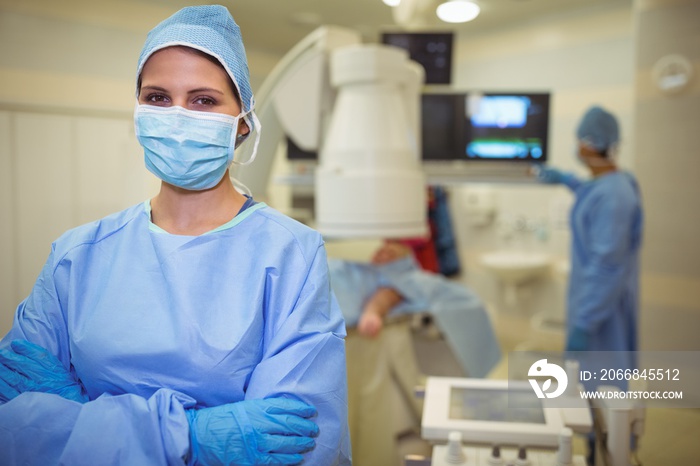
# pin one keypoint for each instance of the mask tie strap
(136, 112)
(239, 185)
(258, 130)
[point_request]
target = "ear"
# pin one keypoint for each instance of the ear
(243, 128)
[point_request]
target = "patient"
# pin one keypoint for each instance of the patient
(383, 300)
(393, 283)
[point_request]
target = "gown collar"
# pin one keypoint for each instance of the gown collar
(248, 208)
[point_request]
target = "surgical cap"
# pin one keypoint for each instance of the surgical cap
(599, 129)
(211, 29)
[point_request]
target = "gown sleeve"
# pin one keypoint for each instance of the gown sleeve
(571, 181)
(304, 358)
(41, 428)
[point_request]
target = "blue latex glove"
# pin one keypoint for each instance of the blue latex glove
(550, 175)
(26, 367)
(269, 431)
(577, 340)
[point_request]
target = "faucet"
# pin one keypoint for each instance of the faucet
(516, 226)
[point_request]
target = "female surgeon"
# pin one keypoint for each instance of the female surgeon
(195, 328)
(606, 225)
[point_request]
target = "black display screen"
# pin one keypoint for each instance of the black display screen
(432, 50)
(442, 127)
(485, 126)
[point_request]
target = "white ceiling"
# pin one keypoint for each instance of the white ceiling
(276, 25)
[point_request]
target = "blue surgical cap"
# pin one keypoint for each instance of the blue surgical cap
(211, 29)
(599, 129)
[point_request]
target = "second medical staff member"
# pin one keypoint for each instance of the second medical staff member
(606, 226)
(200, 324)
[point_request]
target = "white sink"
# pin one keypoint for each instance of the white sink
(516, 267)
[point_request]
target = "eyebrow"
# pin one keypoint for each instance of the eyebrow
(154, 88)
(205, 89)
(192, 91)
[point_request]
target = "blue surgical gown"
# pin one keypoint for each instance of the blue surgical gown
(606, 224)
(459, 314)
(154, 323)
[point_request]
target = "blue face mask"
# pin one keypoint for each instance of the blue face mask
(185, 148)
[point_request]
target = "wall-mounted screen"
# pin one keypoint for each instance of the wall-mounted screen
(492, 126)
(442, 127)
(432, 50)
(507, 126)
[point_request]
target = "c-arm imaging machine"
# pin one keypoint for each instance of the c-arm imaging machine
(294, 100)
(358, 105)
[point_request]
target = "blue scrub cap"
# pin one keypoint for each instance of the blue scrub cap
(599, 129)
(211, 29)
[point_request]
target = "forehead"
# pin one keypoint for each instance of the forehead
(183, 64)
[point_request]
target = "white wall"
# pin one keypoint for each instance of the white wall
(668, 164)
(582, 59)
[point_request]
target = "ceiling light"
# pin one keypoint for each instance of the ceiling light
(392, 2)
(458, 11)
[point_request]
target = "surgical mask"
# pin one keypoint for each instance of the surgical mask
(186, 148)
(604, 162)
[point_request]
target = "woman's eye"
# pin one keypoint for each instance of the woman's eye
(204, 101)
(156, 98)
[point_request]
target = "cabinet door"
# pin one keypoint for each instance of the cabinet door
(8, 259)
(111, 174)
(44, 183)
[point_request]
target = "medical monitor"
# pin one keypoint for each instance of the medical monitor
(507, 126)
(483, 411)
(442, 126)
(432, 50)
(491, 405)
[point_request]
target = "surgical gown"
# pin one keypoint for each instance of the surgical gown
(154, 323)
(606, 224)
